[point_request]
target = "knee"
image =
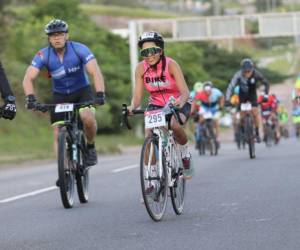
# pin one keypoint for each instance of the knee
(175, 126)
(88, 119)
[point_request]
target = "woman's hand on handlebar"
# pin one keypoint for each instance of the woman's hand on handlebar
(129, 109)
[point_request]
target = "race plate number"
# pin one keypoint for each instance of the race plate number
(155, 118)
(246, 106)
(207, 115)
(65, 107)
(266, 113)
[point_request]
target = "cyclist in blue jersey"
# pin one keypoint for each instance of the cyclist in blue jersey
(67, 63)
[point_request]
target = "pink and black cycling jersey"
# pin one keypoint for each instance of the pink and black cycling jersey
(161, 88)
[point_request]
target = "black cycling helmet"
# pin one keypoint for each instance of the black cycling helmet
(151, 36)
(265, 98)
(56, 25)
(247, 64)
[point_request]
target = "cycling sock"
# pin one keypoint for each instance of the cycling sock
(90, 145)
(184, 149)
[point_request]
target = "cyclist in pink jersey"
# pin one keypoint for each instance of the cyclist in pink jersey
(162, 77)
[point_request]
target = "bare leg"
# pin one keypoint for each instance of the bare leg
(89, 125)
(55, 138)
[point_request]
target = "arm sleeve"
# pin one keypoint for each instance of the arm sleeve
(264, 81)
(38, 60)
(4, 84)
(84, 53)
(231, 86)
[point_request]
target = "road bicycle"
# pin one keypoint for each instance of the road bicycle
(72, 153)
(161, 166)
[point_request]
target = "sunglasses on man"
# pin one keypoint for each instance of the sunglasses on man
(150, 51)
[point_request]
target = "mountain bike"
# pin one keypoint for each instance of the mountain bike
(269, 128)
(248, 127)
(208, 137)
(72, 153)
(160, 162)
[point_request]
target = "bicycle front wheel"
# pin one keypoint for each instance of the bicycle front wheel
(177, 192)
(269, 136)
(65, 172)
(154, 181)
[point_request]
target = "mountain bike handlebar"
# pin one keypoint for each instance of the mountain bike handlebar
(48, 107)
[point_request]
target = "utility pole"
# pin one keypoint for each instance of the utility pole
(216, 7)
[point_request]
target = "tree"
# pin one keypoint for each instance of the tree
(2, 24)
(267, 5)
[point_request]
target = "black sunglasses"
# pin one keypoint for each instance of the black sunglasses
(150, 51)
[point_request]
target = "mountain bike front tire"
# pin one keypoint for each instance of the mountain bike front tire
(65, 172)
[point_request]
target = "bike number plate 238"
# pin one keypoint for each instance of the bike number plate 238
(154, 119)
(246, 106)
(64, 107)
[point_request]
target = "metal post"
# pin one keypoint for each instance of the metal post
(133, 50)
(216, 7)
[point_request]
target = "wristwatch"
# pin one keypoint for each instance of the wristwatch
(10, 98)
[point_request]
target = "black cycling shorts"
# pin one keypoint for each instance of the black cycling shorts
(185, 110)
(82, 95)
(248, 97)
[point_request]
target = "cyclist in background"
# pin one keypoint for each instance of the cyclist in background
(8, 110)
(211, 100)
(269, 105)
(235, 113)
(247, 78)
(283, 117)
(197, 126)
(67, 63)
(162, 77)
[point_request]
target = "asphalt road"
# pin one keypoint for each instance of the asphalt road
(231, 203)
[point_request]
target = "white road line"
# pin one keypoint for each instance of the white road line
(117, 170)
(22, 196)
(44, 190)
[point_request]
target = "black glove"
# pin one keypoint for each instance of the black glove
(100, 98)
(30, 102)
(9, 108)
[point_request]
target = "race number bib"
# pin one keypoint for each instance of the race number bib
(266, 113)
(65, 107)
(246, 106)
(154, 119)
(208, 115)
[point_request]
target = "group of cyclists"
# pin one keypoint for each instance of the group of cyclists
(242, 88)
(68, 63)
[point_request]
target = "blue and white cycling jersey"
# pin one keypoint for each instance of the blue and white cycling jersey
(68, 75)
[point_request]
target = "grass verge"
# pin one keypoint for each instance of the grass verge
(29, 137)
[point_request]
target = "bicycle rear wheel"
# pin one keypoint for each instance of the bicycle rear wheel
(82, 174)
(65, 171)
(177, 192)
(250, 136)
(154, 181)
